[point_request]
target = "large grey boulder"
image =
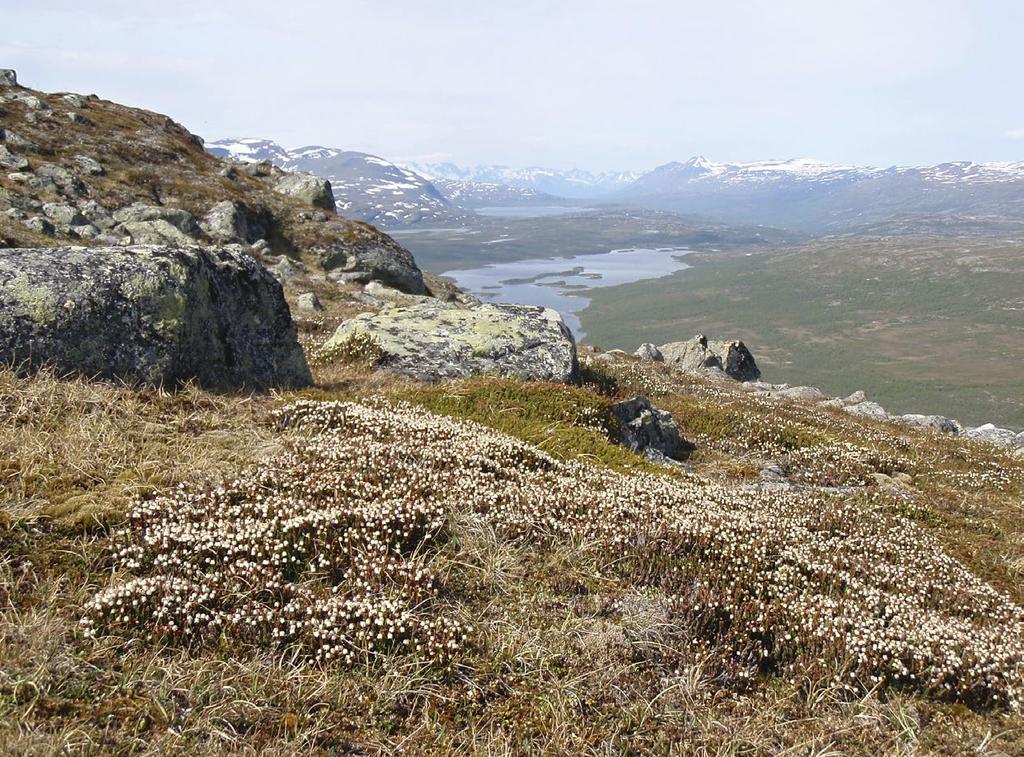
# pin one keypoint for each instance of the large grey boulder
(647, 429)
(308, 188)
(148, 315)
(434, 340)
(8, 77)
(700, 353)
(373, 257)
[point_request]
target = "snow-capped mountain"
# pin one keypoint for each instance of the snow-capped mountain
(815, 195)
(366, 188)
(471, 194)
(573, 183)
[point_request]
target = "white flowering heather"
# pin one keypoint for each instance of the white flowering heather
(329, 549)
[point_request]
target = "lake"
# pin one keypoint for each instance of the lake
(562, 283)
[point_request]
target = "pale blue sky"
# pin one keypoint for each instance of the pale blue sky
(580, 83)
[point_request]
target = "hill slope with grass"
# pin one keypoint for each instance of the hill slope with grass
(378, 564)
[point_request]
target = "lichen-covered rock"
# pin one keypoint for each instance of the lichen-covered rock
(699, 353)
(645, 428)
(308, 188)
(148, 315)
(433, 340)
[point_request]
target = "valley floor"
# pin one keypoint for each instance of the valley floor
(921, 324)
(475, 567)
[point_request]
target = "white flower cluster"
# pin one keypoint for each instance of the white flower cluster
(326, 549)
(329, 548)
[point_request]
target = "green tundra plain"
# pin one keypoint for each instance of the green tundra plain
(921, 324)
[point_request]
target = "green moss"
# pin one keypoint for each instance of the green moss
(564, 421)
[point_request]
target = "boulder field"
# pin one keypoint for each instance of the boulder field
(151, 315)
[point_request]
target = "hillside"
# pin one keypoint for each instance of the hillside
(821, 197)
(82, 169)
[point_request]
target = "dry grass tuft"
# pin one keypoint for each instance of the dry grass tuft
(81, 452)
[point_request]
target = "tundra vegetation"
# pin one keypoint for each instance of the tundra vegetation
(376, 564)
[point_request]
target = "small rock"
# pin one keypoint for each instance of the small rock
(867, 409)
(309, 301)
(259, 168)
(75, 101)
(78, 118)
(155, 232)
(1018, 440)
(64, 214)
(40, 225)
(648, 351)
(772, 472)
(991, 433)
(287, 269)
(226, 222)
(15, 140)
(29, 101)
(8, 77)
(9, 159)
(86, 231)
(307, 188)
(645, 427)
(803, 393)
(855, 398)
(180, 219)
(89, 165)
(936, 422)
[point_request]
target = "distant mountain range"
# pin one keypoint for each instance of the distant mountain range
(572, 183)
(800, 194)
(820, 197)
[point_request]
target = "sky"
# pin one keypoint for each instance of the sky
(587, 84)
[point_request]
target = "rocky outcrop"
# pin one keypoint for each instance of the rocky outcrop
(700, 353)
(433, 340)
(148, 315)
(646, 429)
(8, 77)
(307, 188)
